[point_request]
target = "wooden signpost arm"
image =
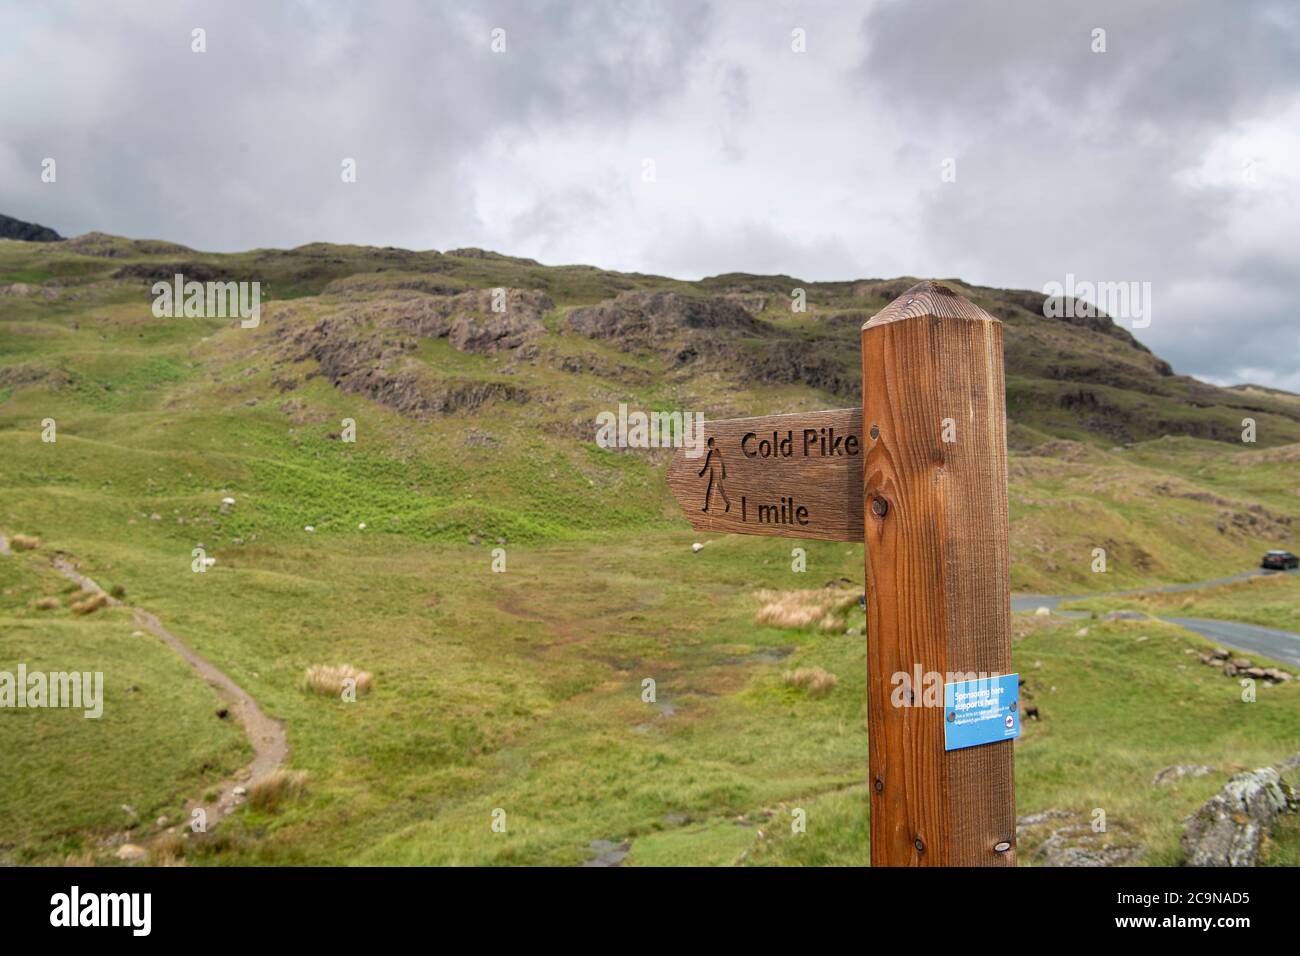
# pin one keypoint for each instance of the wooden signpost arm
(934, 490)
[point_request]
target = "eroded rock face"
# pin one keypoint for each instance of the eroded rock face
(649, 319)
(469, 320)
(1230, 827)
(494, 334)
(379, 368)
(1064, 838)
(719, 331)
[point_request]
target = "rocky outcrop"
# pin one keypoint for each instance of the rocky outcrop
(469, 320)
(1063, 838)
(378, 366)
(718, 331)
(1230, 828)
(412, 392)
(651, 319)
(753, 303)
(494, 334)
(11, 228)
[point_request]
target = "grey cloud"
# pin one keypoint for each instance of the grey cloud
(824, 164)
(1170, 62)
(1069, 160)
(244, 142)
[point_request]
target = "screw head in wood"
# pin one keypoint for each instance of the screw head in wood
(920, 847)
(880, 785)
(1002, 847)
(875, 431)
(879, 507)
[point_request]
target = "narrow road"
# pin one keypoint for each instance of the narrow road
(1271, 642)
(270, 747)
(1282, 646)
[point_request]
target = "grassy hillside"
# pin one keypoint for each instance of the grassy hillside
(521, 691)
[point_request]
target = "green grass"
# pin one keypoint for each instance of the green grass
(522, 691)
(67, 776)
(1270, 601)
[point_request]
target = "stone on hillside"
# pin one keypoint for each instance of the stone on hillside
(1178, 772)
(1073, 844)
(131, 853)
(495, 333)
(1230, 827)
(473, 321)
(697, 547)
(648, 318)
(1043, 612)
(1043, 816)
(753, 303)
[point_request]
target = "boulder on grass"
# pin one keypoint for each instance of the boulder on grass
(1229, 829)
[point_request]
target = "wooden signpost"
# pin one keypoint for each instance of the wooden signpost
(925, 486)
(796, 475)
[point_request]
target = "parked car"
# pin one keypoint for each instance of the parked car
(1280, 560)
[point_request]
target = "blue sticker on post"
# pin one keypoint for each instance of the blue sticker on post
(981, 711)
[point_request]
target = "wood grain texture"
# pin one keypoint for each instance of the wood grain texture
(937, 574)
(928, 299)
(807, 485)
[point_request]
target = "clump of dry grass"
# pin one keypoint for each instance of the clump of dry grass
(329, 680)
(167, 850)
(276, 788)
(800, 609)
(90, 604)
(814, 681)
(24, 542)
(47, 604)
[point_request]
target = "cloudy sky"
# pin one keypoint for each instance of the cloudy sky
(796, 137)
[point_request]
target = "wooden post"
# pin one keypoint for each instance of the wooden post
(938, 602)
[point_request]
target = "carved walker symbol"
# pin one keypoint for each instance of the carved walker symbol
(717, 474)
